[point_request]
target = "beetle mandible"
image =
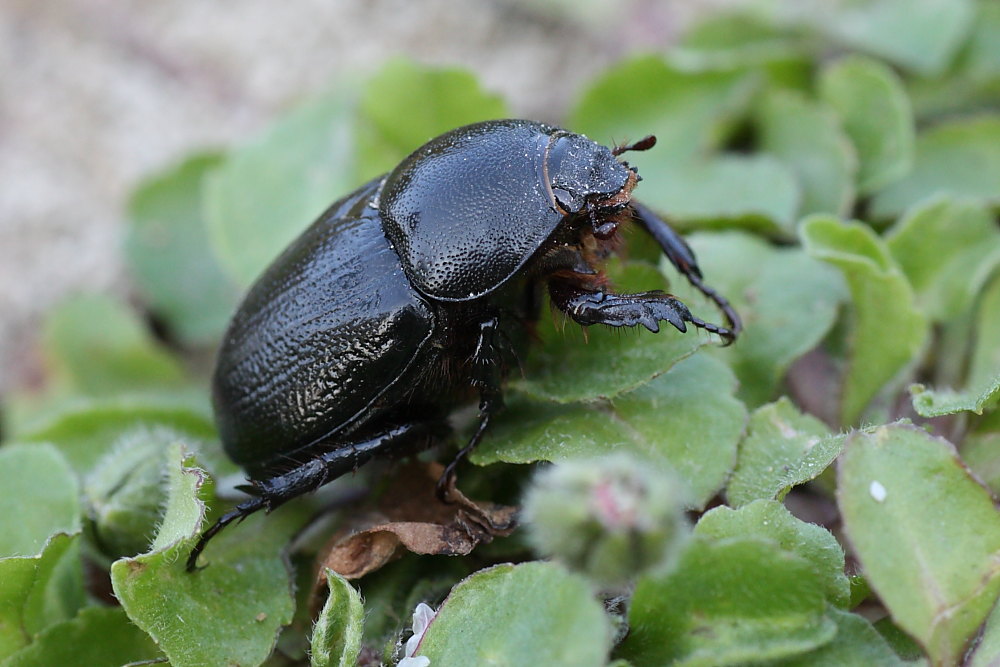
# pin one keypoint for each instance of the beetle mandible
(364, 334)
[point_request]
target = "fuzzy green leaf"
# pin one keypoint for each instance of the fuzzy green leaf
(733, 601)
(167, 249)
(571, 363)
(876, 115)
(86, 431)
(923, 36)
(808, 139)
(783, 448)
(769, 519)
(753, 192)
(987, 652)
(856, 643)
(269, 190)
(41, 491)
(38, 591)
(229, 612)
(947, 248)
(336, 637)
(926, 533)
(528, 614)
(982, 387)
(958, 157)
(686, 418)
(690, 113)
(405, 104)
(96, 346)
(788, 301)
(97, 637)
(889, 330)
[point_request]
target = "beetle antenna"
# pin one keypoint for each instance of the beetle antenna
(643, 144)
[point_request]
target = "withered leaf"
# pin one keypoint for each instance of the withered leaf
(410, 517)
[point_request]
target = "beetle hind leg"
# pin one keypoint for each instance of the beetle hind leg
(268, 494)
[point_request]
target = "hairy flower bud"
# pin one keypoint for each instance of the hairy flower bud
(124, 493)
(611, 518)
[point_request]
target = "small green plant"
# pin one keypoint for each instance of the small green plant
(837, 172)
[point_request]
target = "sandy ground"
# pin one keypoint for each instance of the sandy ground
(95, 94)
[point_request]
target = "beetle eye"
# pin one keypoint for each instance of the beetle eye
(564, 199)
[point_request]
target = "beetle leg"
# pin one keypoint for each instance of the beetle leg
(486, 378)
(275, 491)
(681, 256)
(627, 310)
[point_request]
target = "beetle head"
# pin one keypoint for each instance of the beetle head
(583, 174)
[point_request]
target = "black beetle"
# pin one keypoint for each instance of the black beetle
(366, 332)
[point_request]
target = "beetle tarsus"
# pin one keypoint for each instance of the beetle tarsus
(238, 513)
(626, 310)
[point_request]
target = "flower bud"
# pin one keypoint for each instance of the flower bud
(611, 517)
(124, 493)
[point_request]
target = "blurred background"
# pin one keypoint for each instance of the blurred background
(96, 94)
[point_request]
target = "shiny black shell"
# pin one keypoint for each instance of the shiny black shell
(468, 209)
(365, 320)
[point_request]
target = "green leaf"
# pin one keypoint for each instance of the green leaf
(876, 115)
(690, 113)
(336, 637)
(97, 637)
(922, 36)
(124, 492)
(571, 363)
(86, 431)
(808, 139)
(787, 299)
(229, 612)
(856, 643)
(96, 346)
(528, 614)
(769, 519)
(754, 192)
(686, 418)
(39, 495)
(269, 190)
(927, 534)
(889, 331)
(981, 452)
(39, 591)
(959, 157)
(729, 602)
(406, 104)
(982, 387)
(980, 60)
(783, 448)
(987, 652)
(901, 643)
(947, 248)
(168, 253)
(737, 40)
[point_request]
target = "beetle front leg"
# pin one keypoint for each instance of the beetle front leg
(486, 378)
(682, 257)
(648, 309)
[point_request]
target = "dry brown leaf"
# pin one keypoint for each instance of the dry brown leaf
(410, 517)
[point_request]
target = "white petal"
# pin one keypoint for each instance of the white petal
(419, 661)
